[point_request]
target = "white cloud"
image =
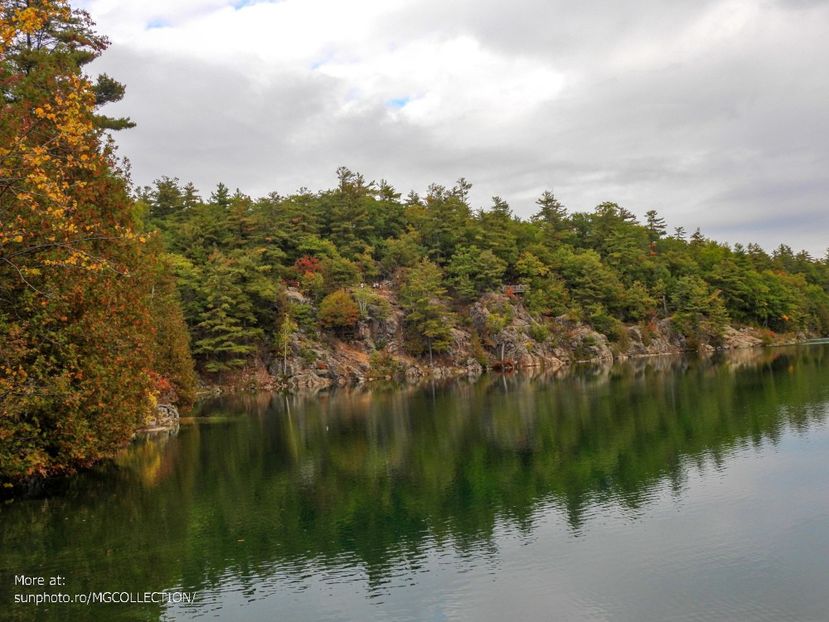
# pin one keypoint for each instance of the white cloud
(712, 111)
(433, 83)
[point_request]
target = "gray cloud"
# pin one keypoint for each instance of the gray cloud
(712, 112)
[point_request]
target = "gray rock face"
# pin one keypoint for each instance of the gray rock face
(736, 339)
(506, 330)
(588, 345)
(307, 380)
(164, 419)
(659, 338)
(494, 332)
(413, 374)
(473, 368)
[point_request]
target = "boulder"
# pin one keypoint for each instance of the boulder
(165, 418)
(736, 339)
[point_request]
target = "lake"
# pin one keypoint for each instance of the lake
(659, 489)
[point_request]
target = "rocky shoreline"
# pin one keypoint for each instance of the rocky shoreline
(165, 418)
(497, 334)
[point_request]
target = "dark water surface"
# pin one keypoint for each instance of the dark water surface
(666, 489)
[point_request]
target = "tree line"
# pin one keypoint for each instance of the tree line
(235, 255)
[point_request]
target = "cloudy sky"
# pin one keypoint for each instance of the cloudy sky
(714, 112)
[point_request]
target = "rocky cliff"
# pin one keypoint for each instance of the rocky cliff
(497, 333)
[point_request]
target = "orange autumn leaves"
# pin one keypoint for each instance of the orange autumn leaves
(28, 20)
(49, 150)
(78, 366)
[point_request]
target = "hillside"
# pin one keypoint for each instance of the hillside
(354, 283)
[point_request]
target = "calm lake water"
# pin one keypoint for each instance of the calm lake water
(664, 489)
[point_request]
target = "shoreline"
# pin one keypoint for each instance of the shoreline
(252, 380)
(36, 487)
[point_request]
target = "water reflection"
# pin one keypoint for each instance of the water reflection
(274, 495)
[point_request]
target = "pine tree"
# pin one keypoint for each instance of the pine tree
(166, 198)
(220, 196)
(428, 321)
(655, 225)
(552, 216)
(700, 313)
(227, 332)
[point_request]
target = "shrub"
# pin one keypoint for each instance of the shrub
(603, 322)
(371, 304)
(338, 311)
(384, 365)
(540, 332)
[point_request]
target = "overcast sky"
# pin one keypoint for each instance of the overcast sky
(715, 113)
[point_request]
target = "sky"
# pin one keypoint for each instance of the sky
(713, 112)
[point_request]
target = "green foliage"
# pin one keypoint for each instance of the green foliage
(402, 252)
(589, 280)
(598, 317)
(428, 321)
(700, 313)
(305, 317)
(638, 303)
(552, 219)
(546, 293)
(384, 366)
(371, 304)
(339, 272)
(540, 332)
(473, 272)
(569, 264)
(227, 332)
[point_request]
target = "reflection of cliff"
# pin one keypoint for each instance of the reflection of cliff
(377, 476)
(368, 473)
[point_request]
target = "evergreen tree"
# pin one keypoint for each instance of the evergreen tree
(220, 196)
(552, 216)
(227, 332)
(472, 272)
(700, 313)
(655, 225)
(428, 322)
(165, 198)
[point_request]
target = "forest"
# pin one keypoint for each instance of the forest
(113, 298)
(234, 256)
